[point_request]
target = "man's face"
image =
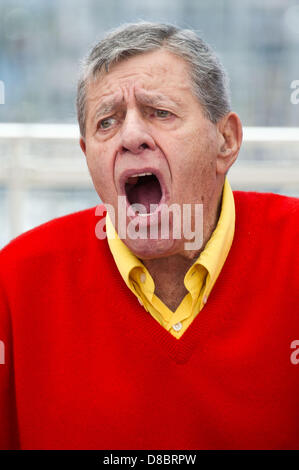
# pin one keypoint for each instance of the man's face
(142, 117)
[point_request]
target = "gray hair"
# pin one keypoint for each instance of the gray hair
(208, 77)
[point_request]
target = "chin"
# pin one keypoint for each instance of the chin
(151, 249)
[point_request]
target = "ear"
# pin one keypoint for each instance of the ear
(83, 145)
(230, 139)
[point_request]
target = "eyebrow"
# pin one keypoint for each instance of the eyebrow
(107, 106)
(156, 100)
(153, 100)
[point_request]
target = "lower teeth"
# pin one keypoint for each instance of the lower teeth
(145, 214)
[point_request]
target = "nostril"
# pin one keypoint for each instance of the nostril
(135, 150)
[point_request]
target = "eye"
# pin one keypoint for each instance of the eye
(162, 113)
(106, 123)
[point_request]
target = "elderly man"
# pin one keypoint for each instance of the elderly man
(176, 331)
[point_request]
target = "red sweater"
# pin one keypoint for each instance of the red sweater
(87, 368)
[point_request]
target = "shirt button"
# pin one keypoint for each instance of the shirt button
(205, 299)
(177, 326)
(142, 277)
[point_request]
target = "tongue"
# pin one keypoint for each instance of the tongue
(147, 193)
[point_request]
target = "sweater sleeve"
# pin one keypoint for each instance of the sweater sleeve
(8, 416)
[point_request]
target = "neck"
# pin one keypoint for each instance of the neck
(168, 275)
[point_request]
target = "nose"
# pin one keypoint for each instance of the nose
(135, 135)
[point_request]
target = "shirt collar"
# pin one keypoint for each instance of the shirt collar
(217, 248)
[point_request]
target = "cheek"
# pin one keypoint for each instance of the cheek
(190, 157)
(193, 165)
(99, 166)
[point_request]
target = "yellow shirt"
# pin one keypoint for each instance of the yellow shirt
(199, 279)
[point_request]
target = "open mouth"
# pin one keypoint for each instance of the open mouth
(144, 189)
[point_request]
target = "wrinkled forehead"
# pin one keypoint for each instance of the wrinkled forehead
(157, 71)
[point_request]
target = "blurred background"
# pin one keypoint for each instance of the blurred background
(42, 170)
